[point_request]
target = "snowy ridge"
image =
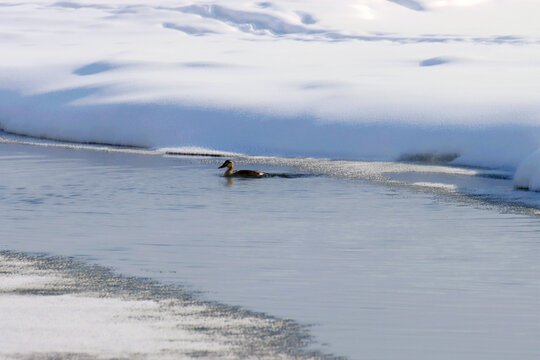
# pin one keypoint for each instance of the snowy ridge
(369, 79)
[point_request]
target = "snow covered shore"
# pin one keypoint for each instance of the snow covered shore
(57, 308)
(527, 175)
(356, 79)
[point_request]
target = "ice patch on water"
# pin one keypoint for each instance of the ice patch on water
(447, 187)
(98, 326)
(57, 308)
(367, 170)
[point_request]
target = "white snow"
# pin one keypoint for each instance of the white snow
(447, 187)
(97, 326)
(12, 282)
(81, 324)
(364, 78)
(527, 175)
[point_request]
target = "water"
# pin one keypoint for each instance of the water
(380, 272)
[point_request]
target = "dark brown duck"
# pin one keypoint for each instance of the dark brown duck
(240, 173)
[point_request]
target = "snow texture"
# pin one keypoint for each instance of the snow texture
(55, 308)
(527, 175)
(367, 79)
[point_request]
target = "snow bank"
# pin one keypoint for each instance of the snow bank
(527, 175)
(370, 78)
(61, 309)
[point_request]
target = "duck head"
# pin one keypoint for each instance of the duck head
(228, 163)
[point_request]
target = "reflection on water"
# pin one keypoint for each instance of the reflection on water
(230, 180)
(380, 272)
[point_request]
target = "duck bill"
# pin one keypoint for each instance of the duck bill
(222, 166)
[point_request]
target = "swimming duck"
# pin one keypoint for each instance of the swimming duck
(240, 173)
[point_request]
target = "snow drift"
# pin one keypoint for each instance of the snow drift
(527, 175)
(363, 79)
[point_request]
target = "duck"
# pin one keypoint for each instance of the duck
(240, 173)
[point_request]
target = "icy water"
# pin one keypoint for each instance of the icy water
(379, 272)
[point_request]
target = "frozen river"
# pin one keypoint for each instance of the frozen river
(379, 272)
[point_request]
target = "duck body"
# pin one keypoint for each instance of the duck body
(240, 173)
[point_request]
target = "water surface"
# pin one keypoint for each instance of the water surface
(379, 272)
